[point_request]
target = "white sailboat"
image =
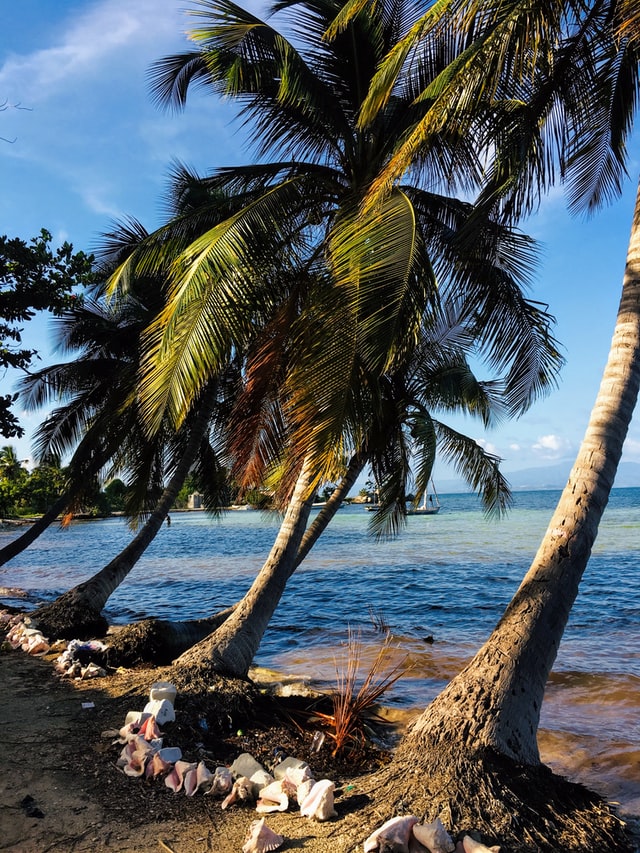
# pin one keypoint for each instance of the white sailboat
(430, 504)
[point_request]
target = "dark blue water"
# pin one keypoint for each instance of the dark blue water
(440, 587)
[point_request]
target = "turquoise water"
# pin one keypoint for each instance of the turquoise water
(447, 578)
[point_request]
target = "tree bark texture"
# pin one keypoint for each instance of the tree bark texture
(495, 701)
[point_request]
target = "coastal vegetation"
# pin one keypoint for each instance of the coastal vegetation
(349, 287)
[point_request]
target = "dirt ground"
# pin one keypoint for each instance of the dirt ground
(61, 790)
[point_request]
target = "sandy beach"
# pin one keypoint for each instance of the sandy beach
(64, 793)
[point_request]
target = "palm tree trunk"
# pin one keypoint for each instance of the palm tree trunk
(17, 545)
(319, 524)
(484, 724)
(232, 647)
(508, 675)
(77, 613)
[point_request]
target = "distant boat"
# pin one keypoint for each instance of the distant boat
(430, 504)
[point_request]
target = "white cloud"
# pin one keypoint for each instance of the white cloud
(552, 447)
(89, 45)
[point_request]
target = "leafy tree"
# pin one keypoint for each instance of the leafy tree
(45, 484)
(364, 287)
(115, 491)
(569, 73)
(13, 476)
(33, 277)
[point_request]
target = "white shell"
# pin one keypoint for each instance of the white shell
(221, 783)
(470, 845)
(241, 791)
(318, 804)
(434, 837)
(394, 835)
(273, 798)
(304, 789)
(161, 709)
(163, 690)
(261, 839)
(290, 763)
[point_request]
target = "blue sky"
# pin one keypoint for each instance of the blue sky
(91, 147)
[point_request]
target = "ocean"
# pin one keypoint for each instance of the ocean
(439, 587)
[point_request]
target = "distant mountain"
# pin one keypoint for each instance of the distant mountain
(549, 477)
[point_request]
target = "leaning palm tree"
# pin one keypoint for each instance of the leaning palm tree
(402, 436)
(570, 74)
(362, 284)
(101, 409)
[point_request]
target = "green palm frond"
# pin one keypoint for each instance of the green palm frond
(477, 467)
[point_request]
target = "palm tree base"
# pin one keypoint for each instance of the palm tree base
(522, 808)
(70, 617)
(158, 641)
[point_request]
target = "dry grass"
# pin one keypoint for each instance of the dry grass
(353, 706)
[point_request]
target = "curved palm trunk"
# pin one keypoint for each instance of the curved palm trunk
(496, 700)
(77, 612)
(321, 521)
(17, 545)
(473, 752)
(232, 647)
(157, 641)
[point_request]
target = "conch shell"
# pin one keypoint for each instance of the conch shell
(318, 804)
(241, 791)
(394, 835)
(261, 839)
(433, 836)
(273, 798)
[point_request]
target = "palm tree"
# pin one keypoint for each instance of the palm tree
(573, 83)
(102, 408)
(10, 466)
(438, 376)
(357, 300)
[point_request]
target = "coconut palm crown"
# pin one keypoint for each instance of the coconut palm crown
(353, 286)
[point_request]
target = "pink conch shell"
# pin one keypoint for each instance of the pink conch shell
(149, 729)
(158, 765)
(434, 837)
(134, 756)
(261, 839)
(394, 835)
(190, 783)
(273, 798)
(470, 845)
(318, 804)
(241, 792)
(204, 776)
(175, 779)
(222, 782)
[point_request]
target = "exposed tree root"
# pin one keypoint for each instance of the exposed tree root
(158, 641)
(524, 809)
(70, 617)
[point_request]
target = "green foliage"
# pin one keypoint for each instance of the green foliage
(33, 277)
(44, 484)
(115, 492)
